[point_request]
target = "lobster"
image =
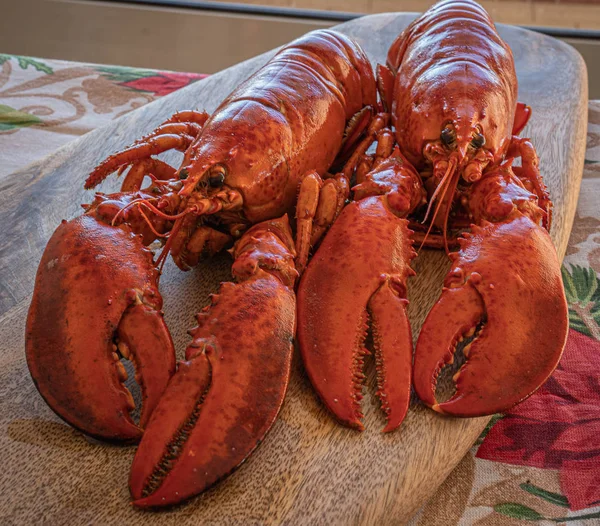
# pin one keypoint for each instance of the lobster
(443, 178)
(264, 153)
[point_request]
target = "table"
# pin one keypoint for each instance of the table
(541, 461)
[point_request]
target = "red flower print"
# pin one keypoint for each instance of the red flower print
(163, 83)
(559, 426)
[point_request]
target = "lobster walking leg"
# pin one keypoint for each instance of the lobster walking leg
(319, 203)
(505, 281)
(176, 133)
(155, 167)
(226, 395)
(529, 174)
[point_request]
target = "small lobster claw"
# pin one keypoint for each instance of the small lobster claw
(505, 288)
(359, 272)
(225, 397)
(95, 300)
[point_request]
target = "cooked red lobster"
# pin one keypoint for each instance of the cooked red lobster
(96, 298)
(451, 88)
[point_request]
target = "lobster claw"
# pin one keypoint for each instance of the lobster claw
(504, 288)
(96, 288)
(358, 272)
(224, 398)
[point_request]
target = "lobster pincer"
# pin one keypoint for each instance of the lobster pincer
(96, 289)
(357, 275)
(503, 287)
(227, 393)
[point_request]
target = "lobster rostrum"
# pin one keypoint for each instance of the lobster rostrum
(261, 155)
(450, 87)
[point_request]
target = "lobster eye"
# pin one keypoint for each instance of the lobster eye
(448, 135)
(216, 176)
(478, 140)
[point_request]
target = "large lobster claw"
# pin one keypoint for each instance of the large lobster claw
(226, 395)
(358, 272)
(504, 284)
(95, 300)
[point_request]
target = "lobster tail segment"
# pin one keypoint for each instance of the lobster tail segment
(358, 273)
(504, 290)
(225, 396)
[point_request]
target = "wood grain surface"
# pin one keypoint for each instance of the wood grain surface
(309, 470)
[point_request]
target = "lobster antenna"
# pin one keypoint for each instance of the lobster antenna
(445, 183)
(128, 205)
(145, 202)
(162, 258)
(438, 189)
(455, 177)
(149, 223)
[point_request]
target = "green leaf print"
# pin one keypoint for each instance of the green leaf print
(582, 289)
(518, 511)
(121, 74)
(554, 498)
(11, 118)
(25, 62)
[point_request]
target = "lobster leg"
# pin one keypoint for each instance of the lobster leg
(505, 284)
(226, 395)
(360, 272)
(529, 173)
(319, 203)
(135, 177)
(177, 133)
(137, 152)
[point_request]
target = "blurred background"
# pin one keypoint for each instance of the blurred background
(204, 37)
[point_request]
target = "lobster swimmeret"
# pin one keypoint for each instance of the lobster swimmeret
(451, 88)
(96, 298)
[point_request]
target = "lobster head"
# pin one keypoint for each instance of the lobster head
(455, 98)
(227, 186)
(468, 133)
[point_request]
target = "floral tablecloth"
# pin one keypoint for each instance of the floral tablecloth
(538, 463)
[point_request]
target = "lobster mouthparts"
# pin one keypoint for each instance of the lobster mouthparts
(359, 272)
(226, 395)
(95, 300)
(506, 283)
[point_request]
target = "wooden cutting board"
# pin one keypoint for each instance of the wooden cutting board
(309, 470)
